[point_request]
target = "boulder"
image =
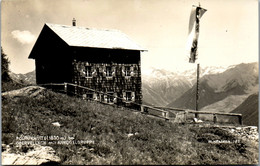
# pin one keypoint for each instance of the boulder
(31, 91)
(36, 155)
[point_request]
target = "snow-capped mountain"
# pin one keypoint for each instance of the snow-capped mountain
(161, 87)
(236, 80)
(208, 70)
(245, 75)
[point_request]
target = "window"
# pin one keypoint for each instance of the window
(88, 96)
(88, 72)
(110, 97)
(128, 96)
(102, 97)
(95, 96)
(127, 71)
(109, 71)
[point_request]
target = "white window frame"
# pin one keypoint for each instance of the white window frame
(109, 72)
(88, 73)
(128, 72)
(128, 99)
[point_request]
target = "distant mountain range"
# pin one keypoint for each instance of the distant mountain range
(240, 79)
(28, 78)
(233, 89)
(161, 87)
(177, 89)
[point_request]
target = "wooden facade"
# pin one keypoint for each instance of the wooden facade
(113, 71)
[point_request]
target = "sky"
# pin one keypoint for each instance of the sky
(228, 30)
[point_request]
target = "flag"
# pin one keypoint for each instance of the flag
(192, 45)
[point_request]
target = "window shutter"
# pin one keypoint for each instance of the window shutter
(113, 71)
(100, 69)
(82, 72)
(104, 71)
(77, 66)
(105, 98)
(95, 96)
(101, 97)
(123, 70)
(131, 68)
(94, 73)
(115, 98)
(132, 73)
(124, 95)
(133, 96)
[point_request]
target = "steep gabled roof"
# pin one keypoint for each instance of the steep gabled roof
(89, 37)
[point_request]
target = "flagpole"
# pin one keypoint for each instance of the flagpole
(196, 14)
(197, 90)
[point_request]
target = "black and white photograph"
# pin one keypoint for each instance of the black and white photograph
(129, 82)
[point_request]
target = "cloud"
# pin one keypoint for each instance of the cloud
(24, 37)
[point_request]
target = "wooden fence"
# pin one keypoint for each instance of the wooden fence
(214, 114)
(72, 89)
(160, 112)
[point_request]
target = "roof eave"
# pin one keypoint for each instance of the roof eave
(113, 48)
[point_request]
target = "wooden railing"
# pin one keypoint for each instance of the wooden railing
(160, 112)
(214, 114)
(145, 109)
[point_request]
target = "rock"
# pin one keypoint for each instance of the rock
(32, 91)
(35, 156)
(56, 124)
(132, 134)
(195, 120)
(3, 147)
(247, 132)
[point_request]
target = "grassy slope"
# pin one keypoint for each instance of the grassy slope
(249, 110)
(157, 141)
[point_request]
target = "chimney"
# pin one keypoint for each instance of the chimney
(74, 22)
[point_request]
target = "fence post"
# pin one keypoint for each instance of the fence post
(65, 87)
(240, 119)
(167, 115)
(76, 88)
(163, 114)
(146, 109)
(142, 109)
(214, 118)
